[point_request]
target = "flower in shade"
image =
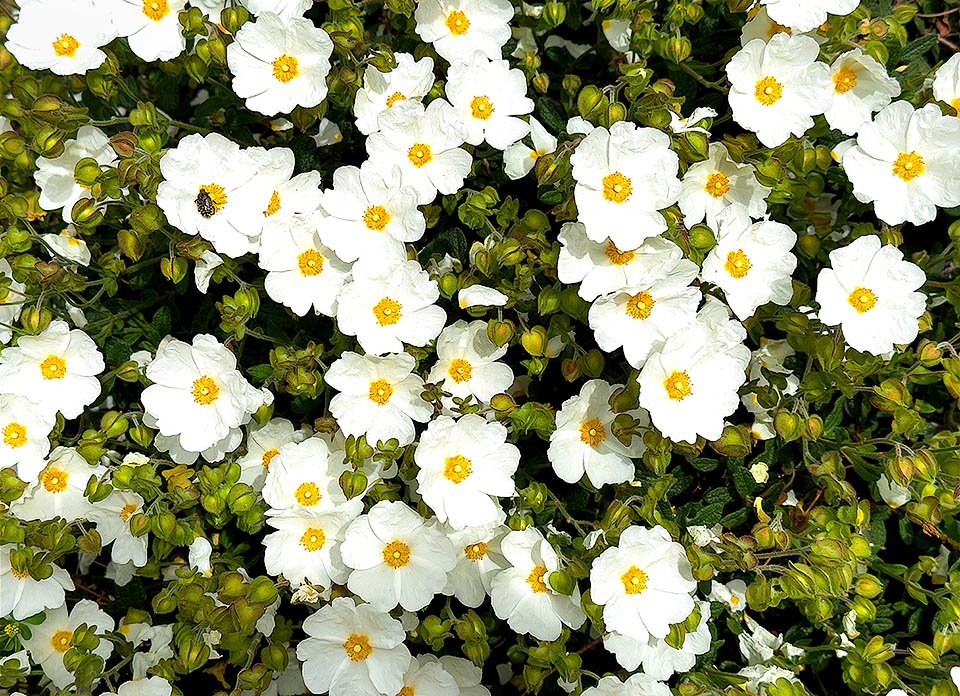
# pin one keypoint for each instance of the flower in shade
(59, 189)
(63, 36)
(112, 517)
(809, 14)
(51, 639)
(478, 561)
(151, 27)
(409, 81)
(718, 182)
(69, 247)
(23, 595)
(24, 428)
(946, 83)
(468, 363)
(861, 87)
(458, 28)
(519, 159)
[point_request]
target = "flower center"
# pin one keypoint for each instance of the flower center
(20, 574)
(12, 629)
(640, 305)
(127, 510)
(909, 166)
(592, 432)
(285, 68)
(396, 554)
(268, 456)
(313, 539)
(537, 154)
(407, 690)
(535, 579)
(357, 647)
(678, 385)
(210, 199)
(777, 29)
(394, 98)
(737, 265)
(768, 91)
(53, 367)
(616, 187)
(476, 552)
(61, 641)
(376, 218)
(956, 105)
(480, 107)
(387, 311)
(419, 154)
(66, 45)
(380, 392)
(273, 207)
(844, 80)
(55, 480)
(717, 185)
(862, 300)
(307, 494)
(155, 9)
(205, 390)
(617, 257)
(460, 370)
(15, 435)
(310, 262)
(457, 23)
(634, 580)
(456, 468)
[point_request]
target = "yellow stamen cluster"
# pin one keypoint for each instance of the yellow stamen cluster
(592, 432)
(862, 300)
(456, 468)
(768, 91)
(205, 390)
(616, 187)
(396, 554)
(678, 385)
(285, 68)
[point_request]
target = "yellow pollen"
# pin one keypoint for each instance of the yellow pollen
(394, 98)
(61, 641)
(718, 185)
(313, 539)
(396, 554)
(66, 45)
(217, 196)
(592, 432)
(55, 480)
(21, 574)
(419, 154)
(456, 468)
(909, 166)
(376, 218)
(285, 68)
(844, 80)
(15, 435)
(273, 207)
(537, 154)
(678, 385)
(155, 9)
(460, 370)
(734, 600)
(53, 367)
(634, 580)
(127, 510)
(457, 23)
(387, 311)
(11, 629)
(862, 300)
(640, 305)
(406, 691)
(476, 552)
(768, 91)
(617, 257)
(268, 456)
(955, 103)
(357, 647)
(535, 579)
(205, 390)
(307, 494)
(380, 392)
(480, 107)
(778, 29)
(616, 187)
(737, 265)
(310, 262)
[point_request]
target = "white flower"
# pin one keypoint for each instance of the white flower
(759, 675)
(729, 334)
(59, 189)
(618, 33)
(733, 594)
(488, 96)
(112, 517)
(51, 639)
(24, 428)
(584, 441)
(468, 363)
(770, 357)
(680, 125)
(198, 557)
(457, 28)
(67, 246)
(152, 27)
(809, 14)
(397, 557)
(328, 133)
(12, 303)
(153, 686)
(577, 125)
(427, 677)
(379, 397)
(56, 370)
(465, 465)
(637, 685)
(409, 81)
(757, 644)
(198, 395)
(861, 86)
(387, 307)
(283, 197)
(353, 650)
(518, 159)
(760, 26)
(521, 595)
(946, 83)
(480, 296)
(870, 291)
(718, 182)
(306, 546)
(263, 444)
(303, 477)
(466, 674)
(146, 658)
(204, 268)
(777, 88)
(479, 559)
(286, 9)
(644, 583)
(624, 176)
(425, 144)
(280, 63)
(63, 36)
(751, 262)
(906, 163)
(23, 596)
(893, 493)
(370, 212)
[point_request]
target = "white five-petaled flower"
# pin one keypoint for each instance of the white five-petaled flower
(63, 36)
(151, 27)
(468, 363)
(718, 182)
(303, 477)
(519, 159)
(23, 596)
(24, 428)
(112, 517)
(428, 677)
(637, 685)
(282, 196)
(68, 246)
(861, 86)
(478, 561)
(870, 291)
(59, 189)
(809, 14)
(306, 546)
(946, 83)
(53, 638)
(409, 81)
(263, 444)
(458, 28)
